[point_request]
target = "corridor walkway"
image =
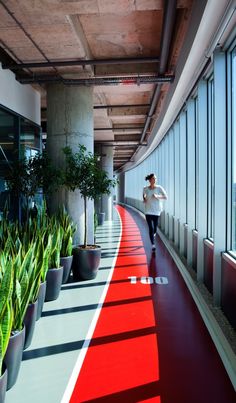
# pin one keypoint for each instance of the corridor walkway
(133, 334)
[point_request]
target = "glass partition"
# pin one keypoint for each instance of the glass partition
(18, 138)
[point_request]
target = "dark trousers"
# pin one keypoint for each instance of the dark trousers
(152, 221)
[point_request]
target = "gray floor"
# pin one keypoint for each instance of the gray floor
(60, 333)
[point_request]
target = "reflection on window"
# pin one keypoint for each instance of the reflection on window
(233, 109)
(29, 139)
(211, 162)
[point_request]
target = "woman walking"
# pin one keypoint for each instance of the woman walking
(152, 197)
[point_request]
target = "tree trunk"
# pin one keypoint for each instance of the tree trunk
(85, 221)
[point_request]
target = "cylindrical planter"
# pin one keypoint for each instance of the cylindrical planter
(54, 281)
(13, 356)
(41, 299)
(29, 322)
(66, 262)
(101, 218)
(86, 262)
(3, 384)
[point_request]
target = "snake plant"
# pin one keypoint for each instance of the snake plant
(42, 253)
(57, 233)
(25, 277)
(6, 313)
(69, 229)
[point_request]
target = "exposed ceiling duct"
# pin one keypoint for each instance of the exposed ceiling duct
(167, 32)
(134, 80)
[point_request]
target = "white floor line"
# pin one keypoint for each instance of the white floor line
(78, 365)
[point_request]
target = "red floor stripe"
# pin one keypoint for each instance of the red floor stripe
(123, 363)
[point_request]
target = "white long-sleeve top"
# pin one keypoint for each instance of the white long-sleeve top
(153, 205)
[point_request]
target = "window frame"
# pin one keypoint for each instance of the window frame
(230, 150)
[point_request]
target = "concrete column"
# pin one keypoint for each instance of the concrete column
(121, 188)
(107, 165)
(70, 123)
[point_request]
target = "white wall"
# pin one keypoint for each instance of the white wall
(22, 99)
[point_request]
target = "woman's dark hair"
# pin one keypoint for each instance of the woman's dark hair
(148, 177)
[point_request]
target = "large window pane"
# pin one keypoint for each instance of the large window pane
(211, 162)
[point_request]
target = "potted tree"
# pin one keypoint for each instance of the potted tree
(23, 185)
(48, 177)
(28, 176)
(82, 172)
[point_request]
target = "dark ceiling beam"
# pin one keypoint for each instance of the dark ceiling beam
(135, 80)
(167, 32)
(113, 106)
(122, 143)
(120, 106)
(166, 36)
(84, 62)
(117, 157)
(118, 128)
(132, 137)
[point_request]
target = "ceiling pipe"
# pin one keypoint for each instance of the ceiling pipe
(130, 80)
(113, 106)
(168, 25)
(83, 62)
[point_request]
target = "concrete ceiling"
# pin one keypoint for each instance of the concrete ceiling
(127, 49)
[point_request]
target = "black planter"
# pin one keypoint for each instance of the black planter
(29, 322)
(66, 262)
(3, 384)
(86, 262)
(54, 282)
(13, 356)
(41, 299)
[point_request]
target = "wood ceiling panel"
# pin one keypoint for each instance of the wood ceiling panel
(54, 8)
(128, 97)
(137, 34)
(149, 4)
